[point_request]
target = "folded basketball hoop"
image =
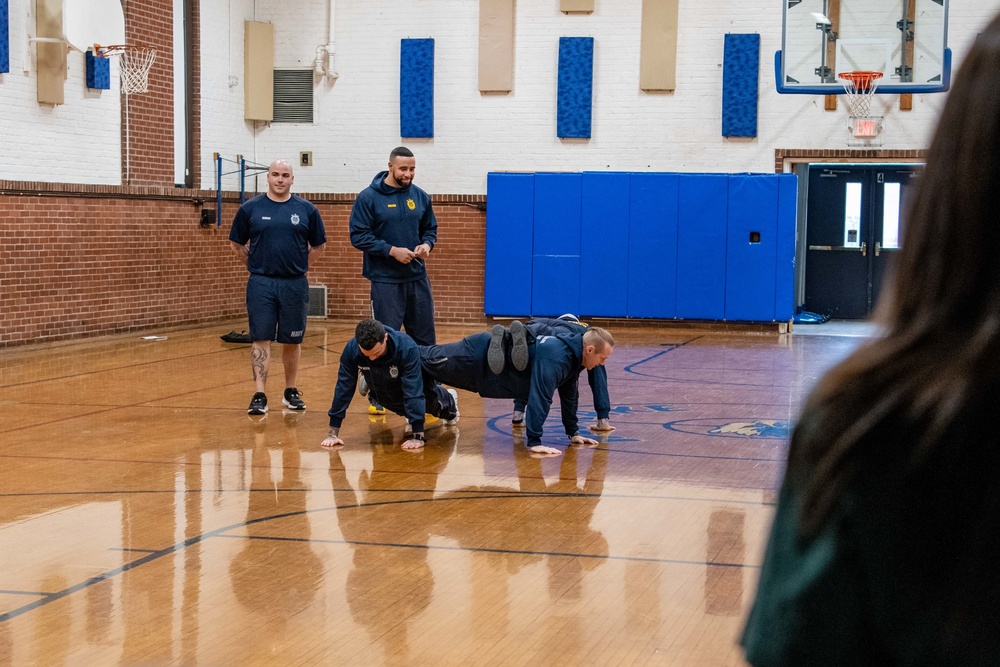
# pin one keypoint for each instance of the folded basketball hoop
(134, 62)
(860, 88)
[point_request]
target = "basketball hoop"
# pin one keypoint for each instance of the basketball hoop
(860, 88)
(134, 63)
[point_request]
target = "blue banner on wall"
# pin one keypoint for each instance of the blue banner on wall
(576, 87)
(416, 88)
(4, 38)
(740, 75)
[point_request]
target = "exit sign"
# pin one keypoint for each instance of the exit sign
(865, 128)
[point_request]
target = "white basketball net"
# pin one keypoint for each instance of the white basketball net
(860, 88)
(134, 63)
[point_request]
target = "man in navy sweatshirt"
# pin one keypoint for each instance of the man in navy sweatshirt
(393, 224)
(554, 364)
(390, 364)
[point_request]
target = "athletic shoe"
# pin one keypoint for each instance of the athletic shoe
(519, 345)
(494, 356)
(430, 421)
(454, 395)
(258, 404)
(362, 385)
(293, 399)
(517, 419)
(375, 409)
(408, 429)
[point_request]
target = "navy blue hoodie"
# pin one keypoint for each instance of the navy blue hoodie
(383, 217)
(395, 380)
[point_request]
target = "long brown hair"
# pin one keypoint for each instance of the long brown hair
(941, 317)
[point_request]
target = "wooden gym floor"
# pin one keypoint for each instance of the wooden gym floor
(145, 519)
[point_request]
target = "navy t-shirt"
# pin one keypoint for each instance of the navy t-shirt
(279, 233)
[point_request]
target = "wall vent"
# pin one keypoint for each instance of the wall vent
(317, 301)
(293, 96)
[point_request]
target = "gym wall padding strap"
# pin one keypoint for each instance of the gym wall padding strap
(509, 225)
(652, 245)
(496, 46)
(4, 37)
(752, 248)
(416, 88)
(98, 72)
(576, 87)
(740, 75)
(604, 223)
(702, 211)
(784, 285)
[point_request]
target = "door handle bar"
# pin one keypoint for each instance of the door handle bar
(863, 249)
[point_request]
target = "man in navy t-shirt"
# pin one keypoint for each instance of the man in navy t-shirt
(274, 234)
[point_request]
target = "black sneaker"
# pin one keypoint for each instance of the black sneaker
(258, 404)
(494, 356)
(293, 400)
(518, 345)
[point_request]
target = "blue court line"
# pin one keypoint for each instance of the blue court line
(48, 598)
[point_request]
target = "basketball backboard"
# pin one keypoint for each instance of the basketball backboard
(89, 22)
(905, 40)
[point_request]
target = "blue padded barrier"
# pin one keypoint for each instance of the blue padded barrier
(750, 264)
(702, 210)
(555, 287)
(416, 88)
(557, 214)
(4, 37)
(784, 286)
(98, 72)
(604, 244)
(652, 255)
(740, 76)
(576, 87)
(509, 223)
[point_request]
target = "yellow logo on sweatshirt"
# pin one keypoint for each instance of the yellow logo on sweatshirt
(391, 205)
(410, 204)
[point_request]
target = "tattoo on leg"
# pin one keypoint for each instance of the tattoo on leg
(258, 362)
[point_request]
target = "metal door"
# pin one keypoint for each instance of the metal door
(853, 227)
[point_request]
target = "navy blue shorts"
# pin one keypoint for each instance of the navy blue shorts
(277, 308)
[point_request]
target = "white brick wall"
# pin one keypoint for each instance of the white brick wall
(77, 142)
(357, 117)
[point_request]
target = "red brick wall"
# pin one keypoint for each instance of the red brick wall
(78, 261)
(151, 115)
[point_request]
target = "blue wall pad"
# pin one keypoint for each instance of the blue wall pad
(555, 288)
(557, 214)
(416, 88)
(98, 72)
(740, 73)
(576, 87)
(4, 37)
(750, 265)
(604, 244)
(702, 211)
(509, 223)
(784, 293)
(652, 245)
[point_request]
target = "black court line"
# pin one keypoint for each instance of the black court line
(516, 552)
(33, 593)
(494, 493)
(48, 598)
